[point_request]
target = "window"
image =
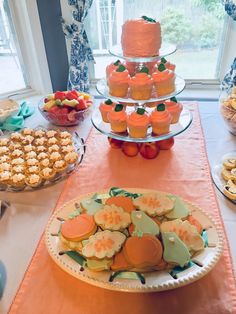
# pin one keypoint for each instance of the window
(197, 27)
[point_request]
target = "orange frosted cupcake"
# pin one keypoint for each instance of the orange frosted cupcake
(168, 64)
(117, 118)
(160, 120)
(164, 80)
(174, 108)
(112, 67)
(138, 123)
(105, 107)
(141, 85)
(118, 82)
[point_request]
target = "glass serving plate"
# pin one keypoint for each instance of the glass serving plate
(166, 50)
(216, 173)
(184, 122)
(79, 148)
(103, 90)
(202, 262)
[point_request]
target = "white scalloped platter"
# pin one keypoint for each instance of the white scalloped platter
(202, 262)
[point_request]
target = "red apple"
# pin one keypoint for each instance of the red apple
(115, 143)
(166, 144)
(130, 149)
(149, 150)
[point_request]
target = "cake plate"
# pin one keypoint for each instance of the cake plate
(165, 50)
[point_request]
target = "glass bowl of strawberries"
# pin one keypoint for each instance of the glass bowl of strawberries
(65, 108)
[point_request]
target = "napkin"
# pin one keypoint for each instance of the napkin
(16, 122)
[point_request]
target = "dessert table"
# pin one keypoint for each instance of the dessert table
(23, 223)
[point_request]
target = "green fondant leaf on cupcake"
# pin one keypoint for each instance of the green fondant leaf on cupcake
(108, 102)
(117, 62)
(121, 68)
(144, 70)
(161, 67)
(161, 107)
(163, 60)
(148, 19)
(119, 107)
(174, 99)
(140, 111)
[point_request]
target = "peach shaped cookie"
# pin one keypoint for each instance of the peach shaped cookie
(112, 217)
(121, 201)
(186, 232)
(154, 204)
(180, 209)
(78, 228)
(120, 262)
(143, 224)
(143, 252)
(104, 244)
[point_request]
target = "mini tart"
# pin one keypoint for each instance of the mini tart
(28, 148)
(17, 153)
(27, 131)
(71, 158)
(54, 156)
(47, 173)
(42, 156)
(66, 141)
(33, 180)
(230, 192)
(53, 148)
(60, 165)
(30, 155)
(65, 134)
(5, 166)
(226, 174)
(14, 146)
(51, 133)
(4, 158)
(40, 149)
(18, 180)
(17, 161)
(5, 177)
(46, 162)
(4, 141)
(18, 169)
(4, 150)
(28, 139)
(32, 162)
(33, 169)
(233, 174)
(39, 133)
(15, 136)
(40, 141)
(67, 149)
(229, 163)
(52, 141)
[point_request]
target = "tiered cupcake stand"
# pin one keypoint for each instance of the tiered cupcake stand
(102, 88)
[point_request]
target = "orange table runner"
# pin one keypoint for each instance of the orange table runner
(184, 171)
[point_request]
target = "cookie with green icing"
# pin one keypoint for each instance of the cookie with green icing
(180, 209)
(143, 224)
(175, 251)
(91, 205)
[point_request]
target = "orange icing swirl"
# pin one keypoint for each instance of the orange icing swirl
(173, 106)
(160, 117)
(140, 79)
(162, 76)
(117, 116)
(120, 77)
(135, 119)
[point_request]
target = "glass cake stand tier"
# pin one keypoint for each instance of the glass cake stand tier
(103, 90)
(175, 129)
(166, 50)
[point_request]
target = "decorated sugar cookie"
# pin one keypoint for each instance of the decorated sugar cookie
(154, 204)
(91, 205)
(99, 265)
(175, 251)
(104, 244)
(186, 232)
(180, 210)
(195, 223)
(121, 201)
(143, 224)
(120, 262)
(112, 217)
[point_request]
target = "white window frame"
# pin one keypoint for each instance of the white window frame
(32, 50)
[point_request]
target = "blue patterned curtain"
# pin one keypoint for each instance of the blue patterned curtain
(80, 52)
(230, 78)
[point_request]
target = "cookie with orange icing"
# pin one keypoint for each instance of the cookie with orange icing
(121, 201)
(120, 262)
(143, 252)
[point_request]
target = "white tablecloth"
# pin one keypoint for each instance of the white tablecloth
(23, 223)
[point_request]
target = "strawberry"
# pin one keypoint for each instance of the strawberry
(82, 105)
(71, 95)
(60, 95)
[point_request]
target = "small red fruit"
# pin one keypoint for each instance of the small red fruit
(82, 105)
(130, 149)
(45, 100)
(60, 95)
(149, 150)
(166, 144)
(115, 143)
(71, 95)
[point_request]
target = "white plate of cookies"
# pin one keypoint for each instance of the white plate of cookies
(36, 158)
(133, 240)
(224, 175)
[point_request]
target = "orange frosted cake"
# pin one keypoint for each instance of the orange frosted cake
(105, 107)
(138, 123)
(141, 85)
(118, 82)
(141, 37)
(117, 118)
(164, 80)
(160, 120)
(175, 108)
